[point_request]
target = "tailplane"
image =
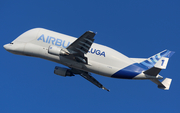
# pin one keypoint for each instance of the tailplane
(155, 64)
(165, 84)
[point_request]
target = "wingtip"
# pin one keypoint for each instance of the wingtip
(92, 32)
(105, 89)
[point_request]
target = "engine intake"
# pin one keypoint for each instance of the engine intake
(57, 50)
(63, 71)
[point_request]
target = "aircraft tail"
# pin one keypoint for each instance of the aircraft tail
(154, 73)
(159, 60)
(155, 64)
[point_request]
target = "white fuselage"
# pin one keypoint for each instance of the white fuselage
(102, 60)
(83, 56)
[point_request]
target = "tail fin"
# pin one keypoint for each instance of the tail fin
(159, 60)
(155, 64)
(165, 84)
(162, 63)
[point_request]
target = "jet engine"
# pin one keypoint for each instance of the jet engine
(63, 71)
(57, 50)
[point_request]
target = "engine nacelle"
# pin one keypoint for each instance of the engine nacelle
(63, 71)
(57, 50)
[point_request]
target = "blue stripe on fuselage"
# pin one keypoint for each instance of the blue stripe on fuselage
(130, 71)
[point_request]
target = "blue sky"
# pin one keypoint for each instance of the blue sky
(136, 28)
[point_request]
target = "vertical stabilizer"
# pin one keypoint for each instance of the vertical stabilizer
(160, 59)
(162, 63)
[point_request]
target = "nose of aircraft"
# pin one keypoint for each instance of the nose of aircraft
(15, 48)
(7, 47)
(4, 46)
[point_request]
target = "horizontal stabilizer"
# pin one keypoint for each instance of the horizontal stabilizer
(152, 71)
(165, 84)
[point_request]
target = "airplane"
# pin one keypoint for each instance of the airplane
(82, 57)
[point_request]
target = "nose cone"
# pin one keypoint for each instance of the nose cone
(8, 47)
(15, 48)
(4, 46)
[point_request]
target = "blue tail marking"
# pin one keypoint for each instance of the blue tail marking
(150, 62)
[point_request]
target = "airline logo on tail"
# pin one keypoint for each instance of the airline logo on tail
(150, 62)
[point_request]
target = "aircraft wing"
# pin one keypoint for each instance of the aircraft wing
(83, 43)
(90, 78)
(81, 46)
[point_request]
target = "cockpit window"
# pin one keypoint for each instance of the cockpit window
(11, 43)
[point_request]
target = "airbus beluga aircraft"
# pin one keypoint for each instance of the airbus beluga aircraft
(83, 57)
